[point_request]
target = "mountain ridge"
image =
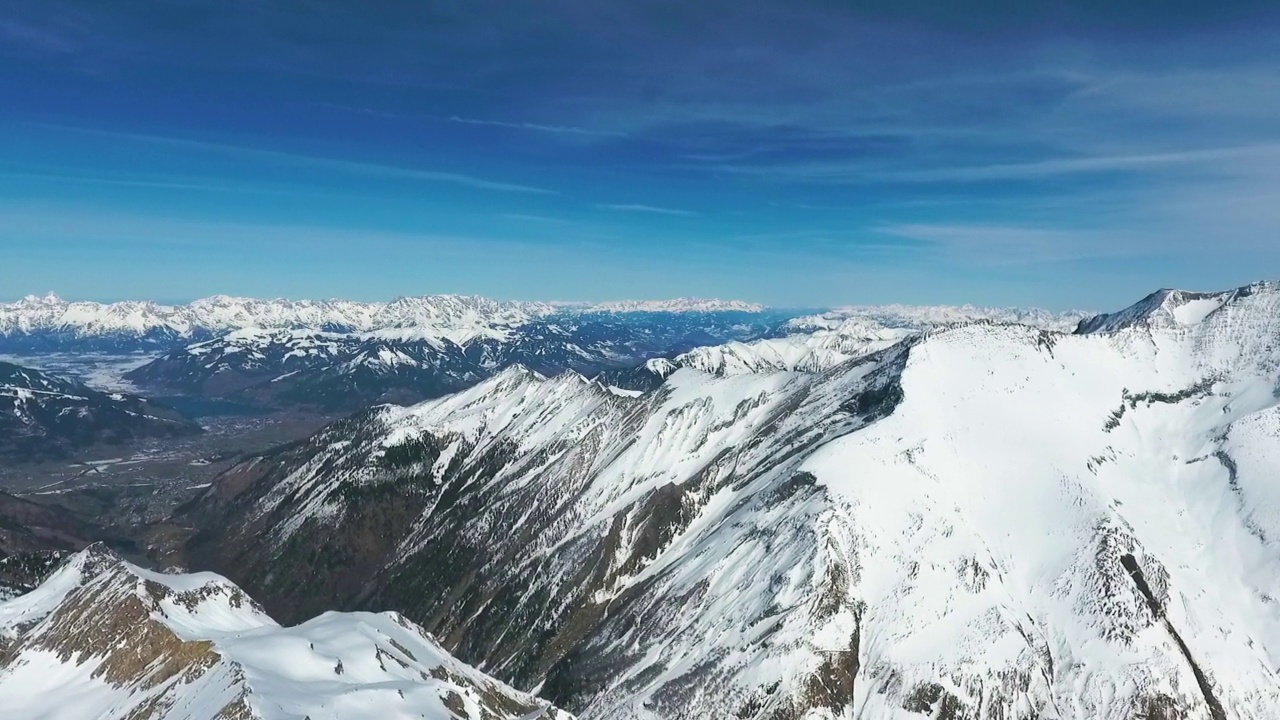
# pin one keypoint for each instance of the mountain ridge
(36, 324)
(459, 318)
(103, 638)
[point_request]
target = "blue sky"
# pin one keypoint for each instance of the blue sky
(794, 153)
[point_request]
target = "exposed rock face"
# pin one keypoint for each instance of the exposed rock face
(987, 521)
(102, 638)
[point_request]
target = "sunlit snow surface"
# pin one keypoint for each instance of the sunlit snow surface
(456, 318)
(1007, 457)
(104, 639)
(814, 343)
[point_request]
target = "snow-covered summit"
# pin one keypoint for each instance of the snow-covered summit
(1168, 308)
(924, 317)
(105, 639)
(815, 343)
(820, 349)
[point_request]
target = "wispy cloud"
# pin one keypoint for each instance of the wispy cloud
(862, 170)
(651, 209)
(43, 40)
(525, 217)
(353, 167)
(458, 119)
(162, 182)
(561, 129)
(1006, 245)
(76, 224)
(158, 184)
(1099, 164)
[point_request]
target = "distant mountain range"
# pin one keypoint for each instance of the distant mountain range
(48, 323)
(346, 371)
(339, 355)
(44, 324)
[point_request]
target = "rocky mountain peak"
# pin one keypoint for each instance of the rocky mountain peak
(119, 642)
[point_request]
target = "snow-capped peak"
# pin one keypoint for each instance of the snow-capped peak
(106, 639)
(458, 318)
(1170, 308)
(924, 317)
(46, 299)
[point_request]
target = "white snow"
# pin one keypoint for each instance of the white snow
(339, 666)
(923, 317)
(460, 319)
(676, 305)
(821, 349)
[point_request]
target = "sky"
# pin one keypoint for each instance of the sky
(803, 153)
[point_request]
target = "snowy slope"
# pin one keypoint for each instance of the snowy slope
(1076, 503)
(1166, 309)
(985, 521)
(821, 349)
(814, 343)
(104, 639)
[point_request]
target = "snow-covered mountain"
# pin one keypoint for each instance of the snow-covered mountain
(926, 317)
(104, 639)
(351, 370)
(43, 324)
(814, 343)
(36, 324)
(1167, 309)
(297, 367)
(678, 305)
(820, 349)
(339, 355)
(44, 416)
(983, 521)
(47, 323)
